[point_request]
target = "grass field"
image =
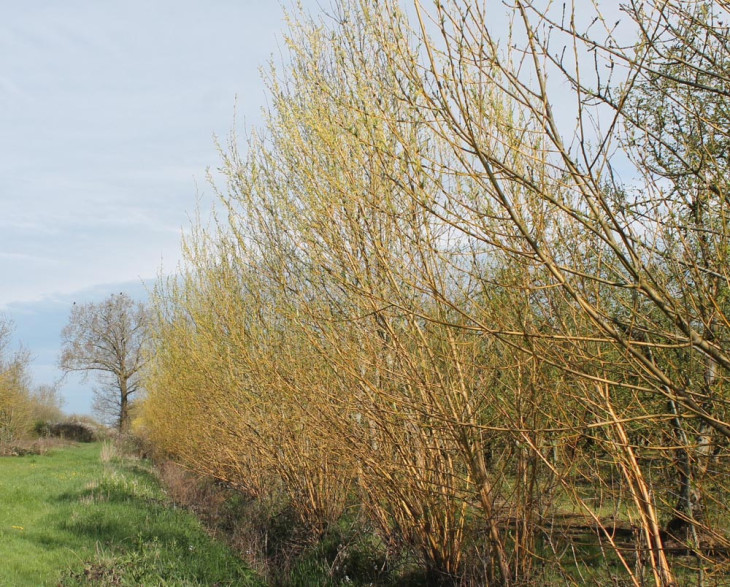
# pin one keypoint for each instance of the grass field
(67, 518)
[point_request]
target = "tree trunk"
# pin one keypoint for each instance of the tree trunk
(123, 406)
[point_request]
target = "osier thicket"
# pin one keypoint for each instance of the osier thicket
(474, 282)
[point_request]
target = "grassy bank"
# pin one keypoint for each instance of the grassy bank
(68, 518)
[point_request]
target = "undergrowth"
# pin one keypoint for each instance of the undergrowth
(268, 536)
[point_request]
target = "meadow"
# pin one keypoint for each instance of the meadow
(82, 515)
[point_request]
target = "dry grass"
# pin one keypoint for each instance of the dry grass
(109, 451)
(37, 446)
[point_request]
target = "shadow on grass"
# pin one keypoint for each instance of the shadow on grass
(140, 539)
(139, 469)
(131, 484)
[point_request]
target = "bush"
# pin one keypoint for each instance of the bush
(42, 428)
(74, 430)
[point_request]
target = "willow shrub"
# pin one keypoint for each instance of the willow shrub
(432, 293)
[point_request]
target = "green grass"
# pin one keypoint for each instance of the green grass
(66, 518)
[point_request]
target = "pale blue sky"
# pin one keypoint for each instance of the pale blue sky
(107, 116)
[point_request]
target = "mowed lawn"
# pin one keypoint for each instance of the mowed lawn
(68, 518)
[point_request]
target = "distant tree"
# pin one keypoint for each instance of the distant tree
(15, 417)
(46, 403)
(108, 338)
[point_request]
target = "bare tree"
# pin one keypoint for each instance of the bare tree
(108, 338)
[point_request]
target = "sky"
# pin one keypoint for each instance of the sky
(108, 112)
